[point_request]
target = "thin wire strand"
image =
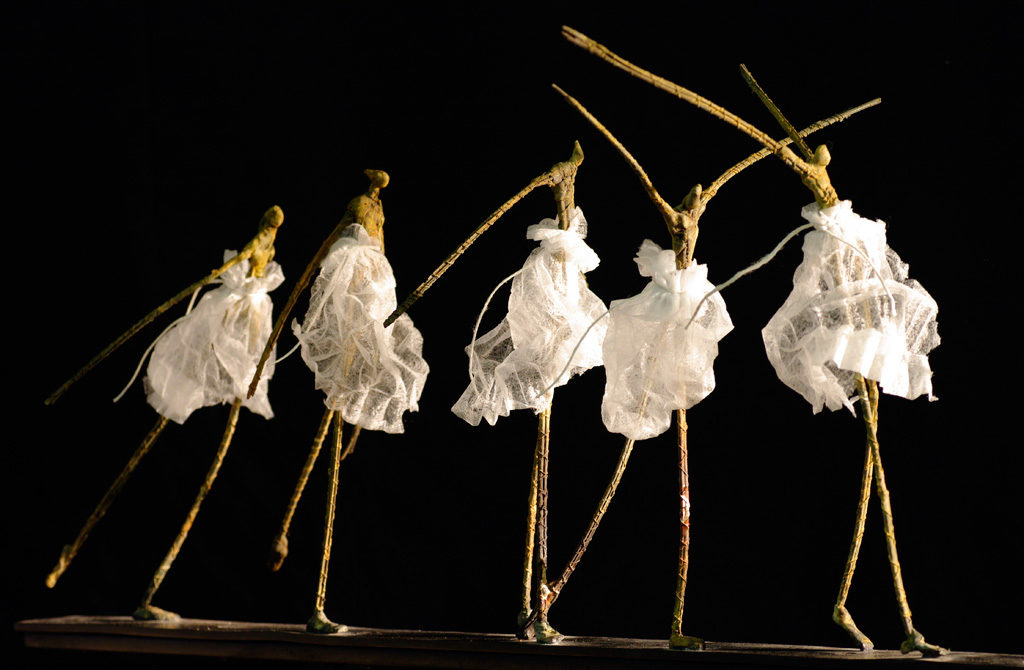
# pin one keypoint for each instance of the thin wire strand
(764, 260)
(568, 363)
(480, 317)
(290, 352)
(152, 345)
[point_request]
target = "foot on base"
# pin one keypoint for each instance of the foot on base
(319, 623)
(545, 634)
(62, 565)
(278, 553)
(523, 632)
(915, 642)
(842, 617)
(151, 613)
(680, 641)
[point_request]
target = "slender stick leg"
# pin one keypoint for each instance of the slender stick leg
(70, 550)
(676, 638)
(542, 630)
(525, 631)
(915, 641)
(279, 550)
(609, 492)
(146, 610)
(839, 613)
(319, 623)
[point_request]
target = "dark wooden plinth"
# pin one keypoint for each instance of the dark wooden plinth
(364, 646)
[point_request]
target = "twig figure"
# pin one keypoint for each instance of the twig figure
(370, 374)
(505, 370)
(811, 169)
(629, 418)
(203, 359)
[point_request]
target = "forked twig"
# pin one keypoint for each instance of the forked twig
(812, 172)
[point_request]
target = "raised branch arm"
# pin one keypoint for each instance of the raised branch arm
(794, 136)
(552, 177)
(652, 192)
(754, 157)
(811, 172)
(260, 245)
(609, 56)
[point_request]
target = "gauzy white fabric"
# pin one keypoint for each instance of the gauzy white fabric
(549, 309)
(843, 319)
(210, 355)
(370, 374)
(654, 362)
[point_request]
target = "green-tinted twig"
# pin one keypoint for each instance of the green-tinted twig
(776, 112)
(531, 531)
(710, 191)
(279, 550)
(319, 623)
(839, 613)
(69, 551)
(146, 609)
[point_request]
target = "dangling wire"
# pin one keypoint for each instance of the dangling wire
(476, 326)
(152, 345)
(774, 252)
(290, 352)
(871, 265)
(568, 363)
(764, 260)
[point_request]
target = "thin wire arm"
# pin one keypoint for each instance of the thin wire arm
(606, 54)
(754, 157)
(776, 112)
(542, 180)
(648, 185)
(139, 325)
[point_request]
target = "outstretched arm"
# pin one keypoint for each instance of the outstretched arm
(264, 240)
(552, 177)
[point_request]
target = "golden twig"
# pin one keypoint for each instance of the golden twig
(776, 112)
(812, 172)
(710, 191)
(553, 177)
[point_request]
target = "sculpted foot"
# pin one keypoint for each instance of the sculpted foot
(523, 631)
(842, 617)
(319, 623)
(278, 553)
(680, 641)
(915, 642)
(151, 613)
(545, 634)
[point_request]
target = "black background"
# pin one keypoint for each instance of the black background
(148, 137)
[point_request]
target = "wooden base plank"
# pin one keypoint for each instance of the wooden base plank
(412, 648)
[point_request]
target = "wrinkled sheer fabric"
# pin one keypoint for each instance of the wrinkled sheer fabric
(210, 355)
(371, 375)
(843, 319)
(654, 362)
(549, 309)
